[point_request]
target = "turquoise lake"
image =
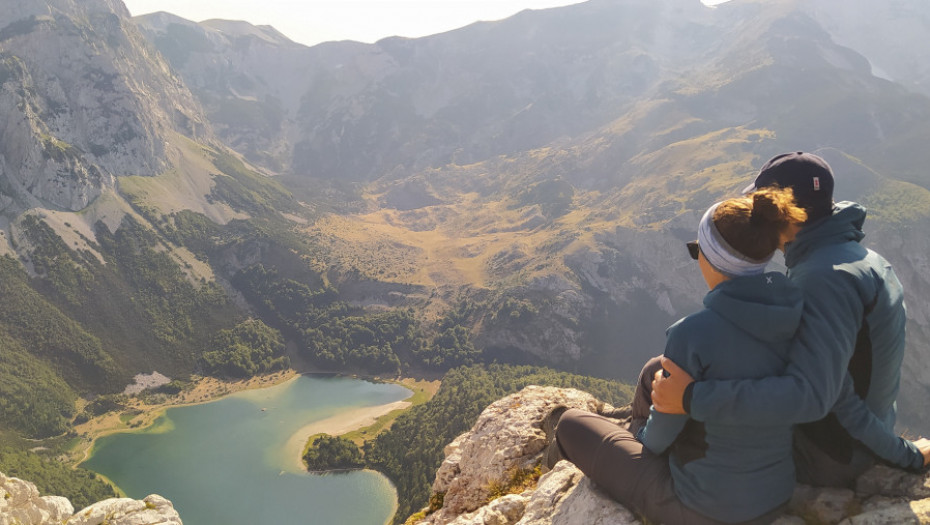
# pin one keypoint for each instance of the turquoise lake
(233, 461)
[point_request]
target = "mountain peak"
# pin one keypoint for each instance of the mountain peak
(240, 28)
(14, 10)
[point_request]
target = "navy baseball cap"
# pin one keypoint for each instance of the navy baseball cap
(809, 177)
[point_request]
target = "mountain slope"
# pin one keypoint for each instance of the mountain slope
(101, 148)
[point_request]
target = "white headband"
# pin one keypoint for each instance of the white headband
(723, 257)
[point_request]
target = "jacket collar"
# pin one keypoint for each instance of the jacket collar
(844, 225)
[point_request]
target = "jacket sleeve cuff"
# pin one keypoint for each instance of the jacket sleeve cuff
(686, 397)
(917, 459)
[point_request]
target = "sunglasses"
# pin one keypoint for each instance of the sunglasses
(693, 249)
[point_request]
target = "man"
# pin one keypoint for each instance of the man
(844, 370)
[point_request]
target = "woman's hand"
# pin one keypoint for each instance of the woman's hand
(668, 389)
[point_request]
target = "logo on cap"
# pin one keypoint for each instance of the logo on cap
(816, 183)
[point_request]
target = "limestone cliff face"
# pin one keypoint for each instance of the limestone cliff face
(83, 98)
(509, 437)
(250, 79)
(21, 504)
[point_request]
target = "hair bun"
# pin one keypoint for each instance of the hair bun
(764, 210)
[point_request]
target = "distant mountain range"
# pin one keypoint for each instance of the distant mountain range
(535, 175)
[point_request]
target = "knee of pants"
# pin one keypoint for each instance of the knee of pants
(569, 430)
(568, 424)
(649, 370)
(580, 435)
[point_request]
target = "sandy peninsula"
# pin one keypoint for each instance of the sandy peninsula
(337, 425)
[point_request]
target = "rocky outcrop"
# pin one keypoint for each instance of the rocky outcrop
(21, 504)
(84, 98)
(153, 510)
(509, 438)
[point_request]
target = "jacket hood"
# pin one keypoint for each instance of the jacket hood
(768, 306)
(843, 226)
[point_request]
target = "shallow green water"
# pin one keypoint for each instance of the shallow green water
(227, 462)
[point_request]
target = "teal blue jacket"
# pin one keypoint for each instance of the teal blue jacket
(853, 305)
(731, 472)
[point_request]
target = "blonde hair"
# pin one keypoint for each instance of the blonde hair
(752, 224)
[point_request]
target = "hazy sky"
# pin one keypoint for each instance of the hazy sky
(313, 21)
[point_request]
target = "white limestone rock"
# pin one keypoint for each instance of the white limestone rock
(502, 511)
(507, 435)
(152, 510)
(565, 496)
(908, 512)
(21, 504)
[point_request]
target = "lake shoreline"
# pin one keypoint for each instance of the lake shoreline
(209, 389)
(204, 390)
(243, 438)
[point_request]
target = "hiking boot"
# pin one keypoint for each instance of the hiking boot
(552, 455)
(549, 423)
(553, 452)
(618, 412)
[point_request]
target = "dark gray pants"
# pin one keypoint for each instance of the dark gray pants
(623, 468)
(620, 465)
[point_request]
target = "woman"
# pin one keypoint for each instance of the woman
(712, 473)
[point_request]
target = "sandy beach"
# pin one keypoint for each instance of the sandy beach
(337, 425)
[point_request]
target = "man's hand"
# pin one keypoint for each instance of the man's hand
(924, 445)
(668, 389)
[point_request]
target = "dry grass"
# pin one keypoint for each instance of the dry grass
(183, 188)
(486, 241)
(444, 245)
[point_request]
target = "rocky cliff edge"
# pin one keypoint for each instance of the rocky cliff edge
(505, 447)
(21, 504)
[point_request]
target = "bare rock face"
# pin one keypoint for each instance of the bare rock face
(509, 436)
(153, 510)
(20, 504)
(83, 99)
